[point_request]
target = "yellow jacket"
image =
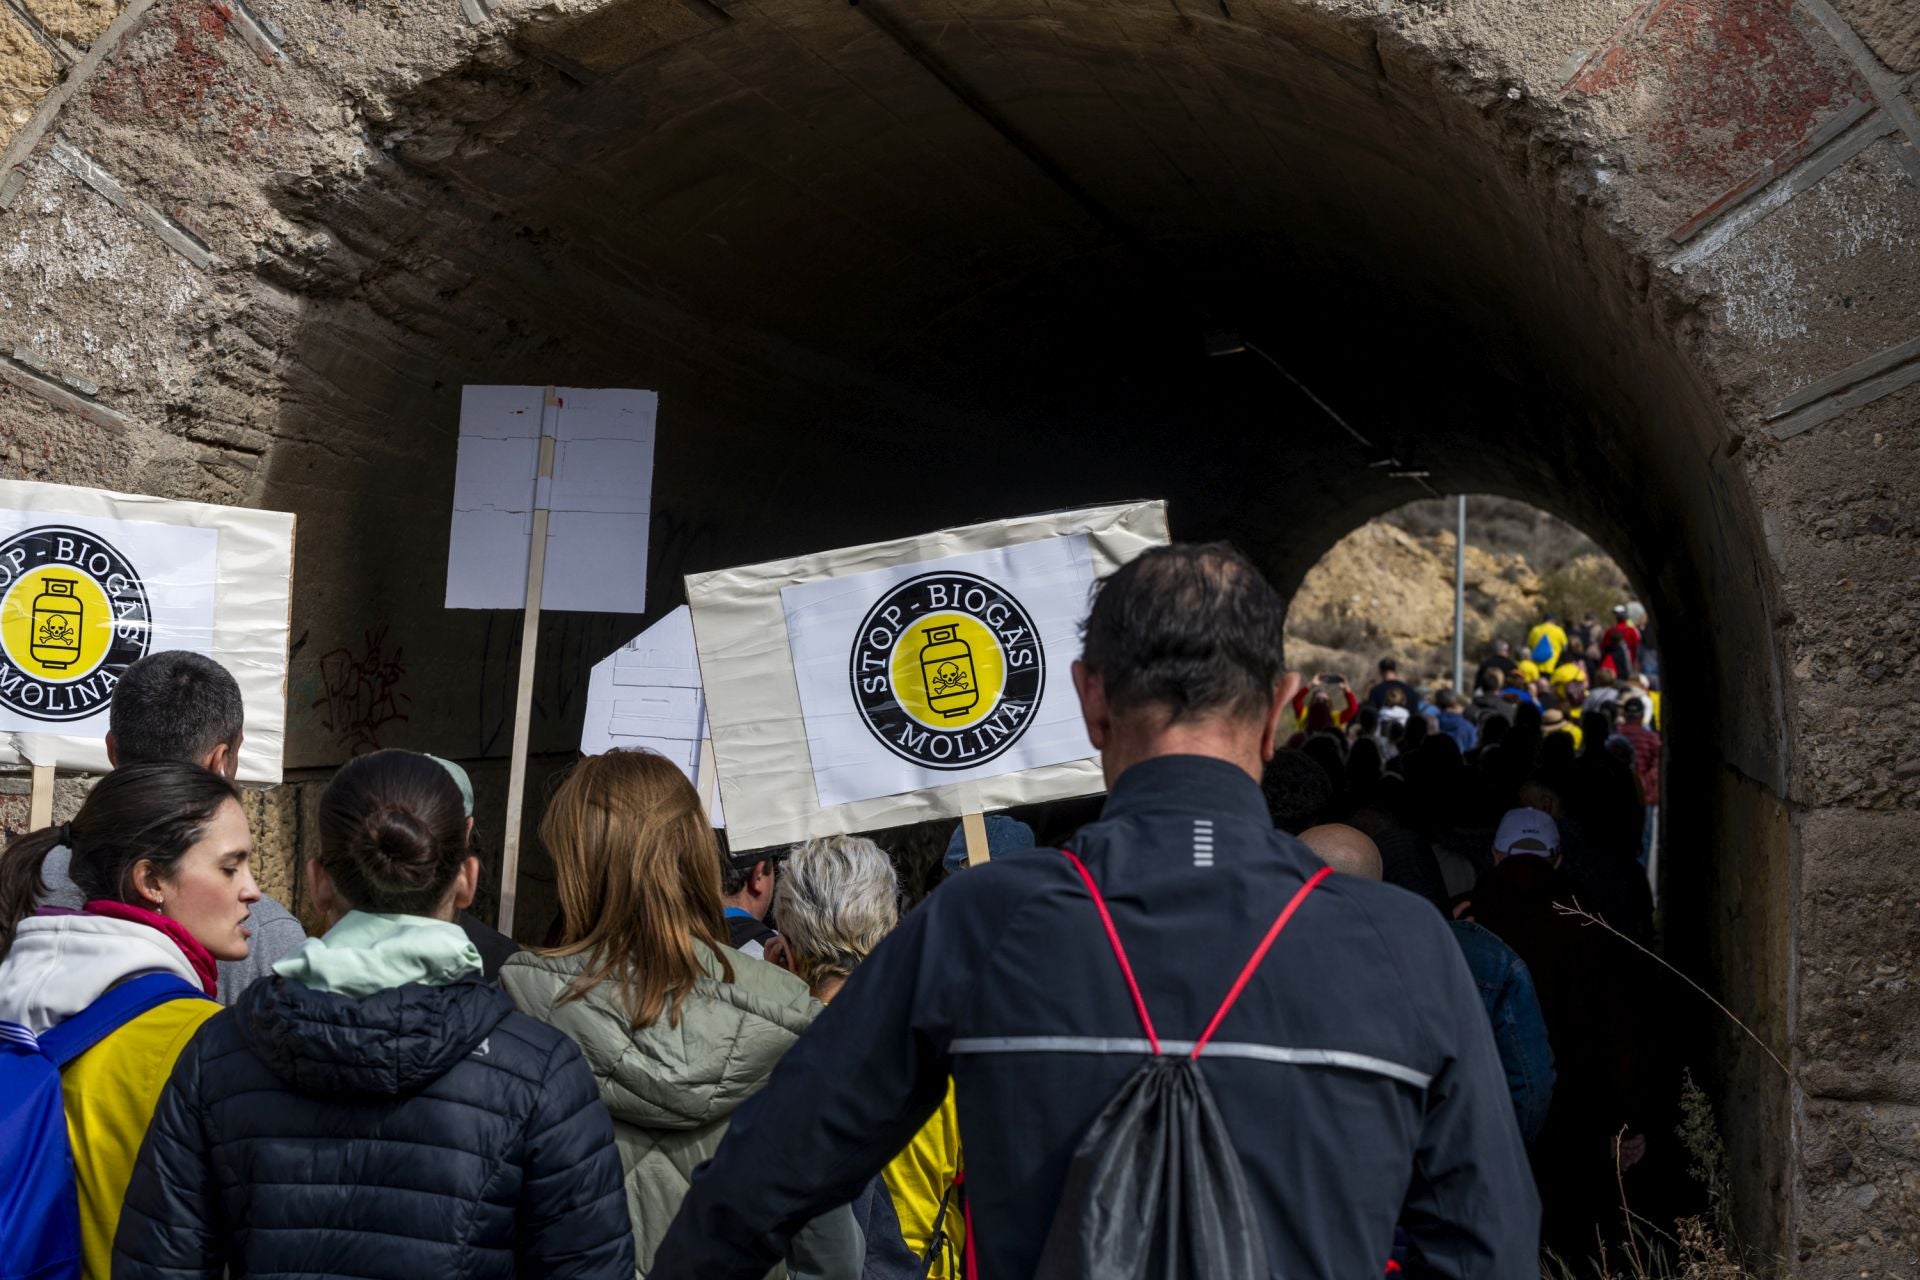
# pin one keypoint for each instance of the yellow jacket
(1545, 643)
(919, 1178)
(57, 966)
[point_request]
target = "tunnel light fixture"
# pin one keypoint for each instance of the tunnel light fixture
(1224, 342)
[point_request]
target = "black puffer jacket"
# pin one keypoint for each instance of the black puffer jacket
(420, 1133)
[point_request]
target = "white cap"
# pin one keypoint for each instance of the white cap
(1527, 827)
(1399, 715)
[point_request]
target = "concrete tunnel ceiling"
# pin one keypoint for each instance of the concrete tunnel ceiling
(890, 272)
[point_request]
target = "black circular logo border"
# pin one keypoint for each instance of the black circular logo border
(866, 624)
(146, 613)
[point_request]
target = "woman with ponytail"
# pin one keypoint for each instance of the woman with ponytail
(679, 1028)
(376, 1109)
(159, 853)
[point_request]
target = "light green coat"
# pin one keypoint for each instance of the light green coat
(671, 1090)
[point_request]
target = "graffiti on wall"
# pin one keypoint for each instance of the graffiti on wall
(360, 694)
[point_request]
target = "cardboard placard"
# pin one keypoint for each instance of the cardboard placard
(599, 497)
(646, 695)
(91, 581)
(908, 680)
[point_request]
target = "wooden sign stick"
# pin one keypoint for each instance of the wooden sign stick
(523, 695)
(975, 825)
(709, 784)
(40, 802)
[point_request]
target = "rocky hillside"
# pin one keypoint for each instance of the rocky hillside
(1387, 587)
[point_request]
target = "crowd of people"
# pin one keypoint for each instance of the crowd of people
(1525, 814)
(737, 1064)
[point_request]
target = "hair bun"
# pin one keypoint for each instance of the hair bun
(401, 849)
(393, 833)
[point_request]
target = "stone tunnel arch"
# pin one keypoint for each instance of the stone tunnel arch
(983, 287)
(900, 264)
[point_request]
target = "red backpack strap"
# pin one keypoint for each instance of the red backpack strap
(1259, 954)
(1239, 983)
(1119, 952)
(970, 1263)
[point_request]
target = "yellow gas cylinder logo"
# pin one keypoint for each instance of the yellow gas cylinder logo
(73, 618)
(947, 670)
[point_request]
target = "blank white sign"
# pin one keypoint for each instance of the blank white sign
(600, 498)
(646, 695)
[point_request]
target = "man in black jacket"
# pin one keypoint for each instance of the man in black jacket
(1356, 1072)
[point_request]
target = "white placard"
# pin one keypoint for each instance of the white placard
(92, 581)
(982, 718)
(600, 497)
(874, 666)
(646, 695)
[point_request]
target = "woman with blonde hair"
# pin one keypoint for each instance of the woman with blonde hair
(835, 900)
(679, 1028)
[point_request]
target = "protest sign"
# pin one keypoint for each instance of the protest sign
(908, 680)
(597, 491)
(93, 581)
(646, 695)
(552, 496)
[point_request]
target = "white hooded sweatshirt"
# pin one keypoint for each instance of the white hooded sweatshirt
(60, 964)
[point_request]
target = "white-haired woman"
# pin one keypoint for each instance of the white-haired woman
(835, 900)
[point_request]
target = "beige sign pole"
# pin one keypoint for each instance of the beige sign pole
(523, 695)
(40, 803)
(975, 827)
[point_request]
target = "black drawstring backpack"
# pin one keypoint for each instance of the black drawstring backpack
(1156, 1191)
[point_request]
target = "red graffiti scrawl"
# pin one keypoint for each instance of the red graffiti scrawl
(1734, 93)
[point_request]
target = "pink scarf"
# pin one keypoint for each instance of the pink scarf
(196, 952)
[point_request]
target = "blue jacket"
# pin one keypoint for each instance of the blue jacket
(1459, 728)
(1519, 1028)
(1357, 1071)
(419, 1132)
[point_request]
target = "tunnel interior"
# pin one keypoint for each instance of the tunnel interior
(892, 274)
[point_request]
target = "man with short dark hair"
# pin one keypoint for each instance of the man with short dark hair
(177, 706)
(1357, 1075)
(181, 707)
(1390, 690)
(1298, 791)
(1487, 703)
(746, 894)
